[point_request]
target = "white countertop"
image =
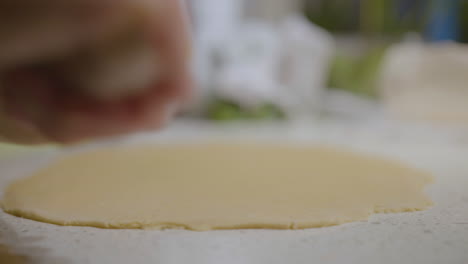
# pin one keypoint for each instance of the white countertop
(439, 235)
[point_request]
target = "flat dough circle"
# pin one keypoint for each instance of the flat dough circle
(216, 186)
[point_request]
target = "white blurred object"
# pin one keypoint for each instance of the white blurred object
(282, 60)
(426, 82)
(287, 66)
(259, 63)
(307, 53)
(247, 65)
(214, 21)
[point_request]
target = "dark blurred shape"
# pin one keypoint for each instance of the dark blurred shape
(370, 17)
(444, 23)
(438, 20)
(334, 15)
(464, 21)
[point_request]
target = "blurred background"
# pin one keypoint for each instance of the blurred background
(349, 61)
(282, 59)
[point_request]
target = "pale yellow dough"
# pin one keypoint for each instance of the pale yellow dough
(216, 186)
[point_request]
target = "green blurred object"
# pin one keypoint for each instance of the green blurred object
(357, 74)
(329, 15)
(267, 111)
(373, 16)
(464, 21)
(224, 110)
(388, 18)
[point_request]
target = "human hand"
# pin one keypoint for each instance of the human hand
(79, 69)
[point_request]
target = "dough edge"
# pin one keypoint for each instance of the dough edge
(181, 226)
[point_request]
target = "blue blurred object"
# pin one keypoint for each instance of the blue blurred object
(444, 21)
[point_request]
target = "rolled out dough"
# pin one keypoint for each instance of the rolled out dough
(216, 186)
